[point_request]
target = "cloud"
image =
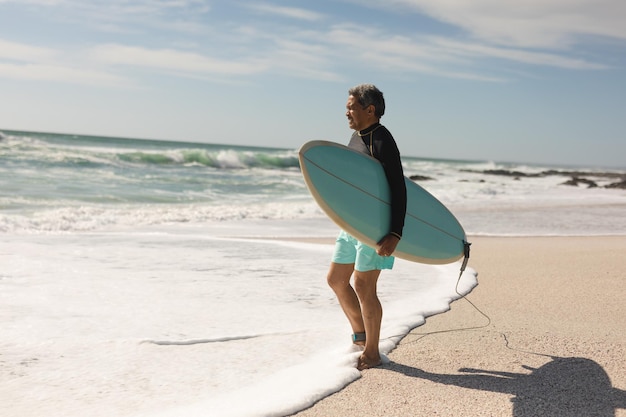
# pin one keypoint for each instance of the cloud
(123, 16)
(182, 16)
(35, 2)
(170, 60)
(24, 52)
(290, 12)
(27, 62)
(526, 23)
(303, 59)
(239, 46)
(438, 55)
(58, 73)
(476, 50)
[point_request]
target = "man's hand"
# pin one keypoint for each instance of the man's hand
(387, 245)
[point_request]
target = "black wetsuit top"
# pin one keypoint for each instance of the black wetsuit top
(378, 142)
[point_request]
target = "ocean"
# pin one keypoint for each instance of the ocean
(156, 278)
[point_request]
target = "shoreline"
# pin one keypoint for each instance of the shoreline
(555, 343)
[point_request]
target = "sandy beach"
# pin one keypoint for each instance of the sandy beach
(555, 344)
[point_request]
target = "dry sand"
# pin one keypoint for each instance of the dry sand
(556, 344)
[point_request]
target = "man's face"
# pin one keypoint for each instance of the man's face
(358, 117)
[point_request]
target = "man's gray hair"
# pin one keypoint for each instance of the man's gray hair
(367, 95)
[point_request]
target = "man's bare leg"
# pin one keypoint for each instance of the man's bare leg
(365, 284)
(339, 280)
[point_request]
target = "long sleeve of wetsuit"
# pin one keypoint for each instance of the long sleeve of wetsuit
(386, 151)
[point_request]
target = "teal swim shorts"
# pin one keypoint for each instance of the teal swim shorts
(349, 250)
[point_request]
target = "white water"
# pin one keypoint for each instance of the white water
(197, 320)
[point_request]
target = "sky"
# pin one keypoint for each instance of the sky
(533, 81)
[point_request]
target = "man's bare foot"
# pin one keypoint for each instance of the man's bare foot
(367, 362)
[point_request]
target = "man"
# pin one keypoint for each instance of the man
(360, 303)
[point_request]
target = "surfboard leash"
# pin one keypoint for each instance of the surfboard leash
(466, 256)
(507, 344)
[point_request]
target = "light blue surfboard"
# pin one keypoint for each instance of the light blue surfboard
(353, 191)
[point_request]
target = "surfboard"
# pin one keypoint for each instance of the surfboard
(352, 189)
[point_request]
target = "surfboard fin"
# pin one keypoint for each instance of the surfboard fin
(466, 255)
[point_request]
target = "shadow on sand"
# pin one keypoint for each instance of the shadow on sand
(567, 387)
